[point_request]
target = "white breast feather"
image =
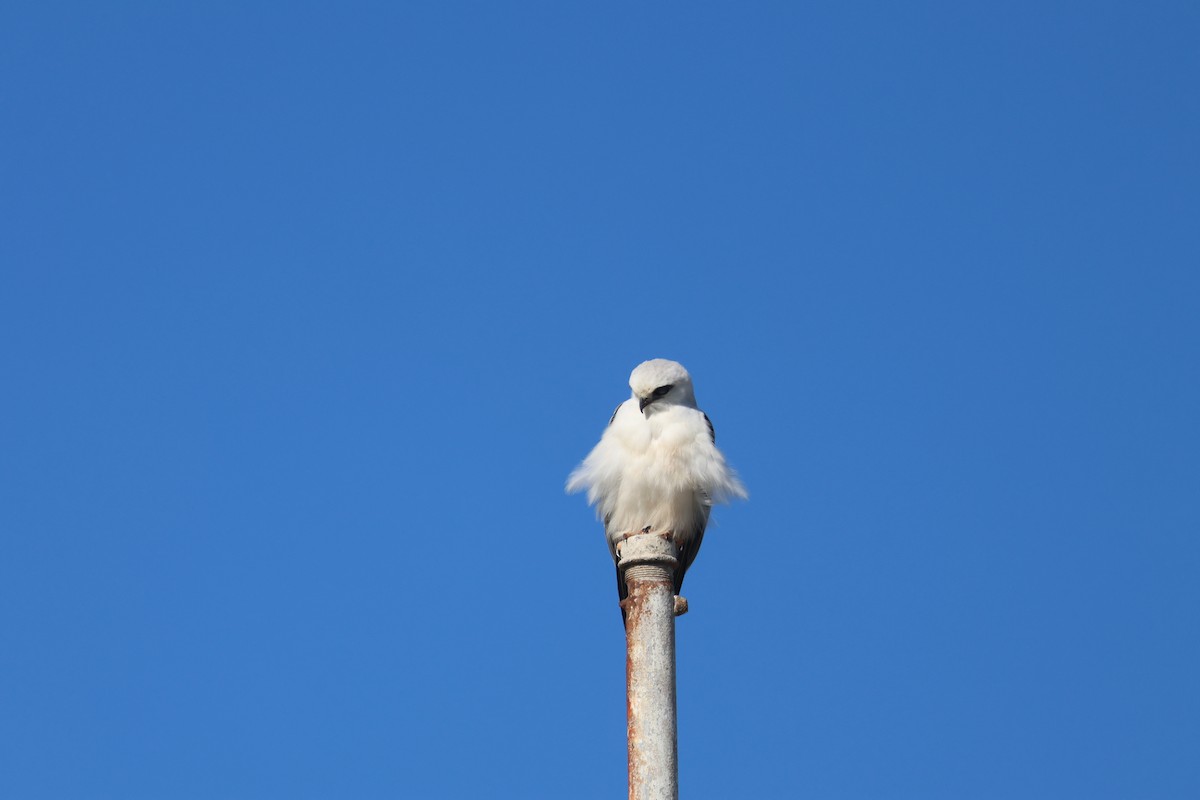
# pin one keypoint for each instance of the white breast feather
(662, 472)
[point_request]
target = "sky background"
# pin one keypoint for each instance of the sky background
(307, 311)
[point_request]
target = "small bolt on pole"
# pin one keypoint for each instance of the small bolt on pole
(648, 562)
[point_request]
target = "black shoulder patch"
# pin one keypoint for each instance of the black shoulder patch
(711, 433)
(618, 408)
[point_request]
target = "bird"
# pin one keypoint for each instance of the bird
(656, 468)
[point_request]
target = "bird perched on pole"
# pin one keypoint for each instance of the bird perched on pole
(657, 468)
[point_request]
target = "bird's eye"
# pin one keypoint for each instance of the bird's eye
(660, 391)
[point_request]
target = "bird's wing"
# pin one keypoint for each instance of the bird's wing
(689, 546)
(612, 547)
(608, 517)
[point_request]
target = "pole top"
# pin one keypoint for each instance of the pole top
(650, 557)
(651, 549)
(642, 544)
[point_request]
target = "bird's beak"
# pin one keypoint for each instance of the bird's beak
(643, 402)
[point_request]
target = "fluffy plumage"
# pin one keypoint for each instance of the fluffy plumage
(657, 466)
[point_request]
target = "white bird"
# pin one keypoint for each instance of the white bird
(657, 468)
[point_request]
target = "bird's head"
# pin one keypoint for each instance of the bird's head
(659, 383)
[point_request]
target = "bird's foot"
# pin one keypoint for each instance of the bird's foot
(624, 537)
(681, 606)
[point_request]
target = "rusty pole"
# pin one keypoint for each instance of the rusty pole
(648, 562)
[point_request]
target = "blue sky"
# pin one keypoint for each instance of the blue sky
(307, 311)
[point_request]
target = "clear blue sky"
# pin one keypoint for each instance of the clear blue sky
(307, 310)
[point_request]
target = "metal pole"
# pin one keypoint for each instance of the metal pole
(649, 561)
